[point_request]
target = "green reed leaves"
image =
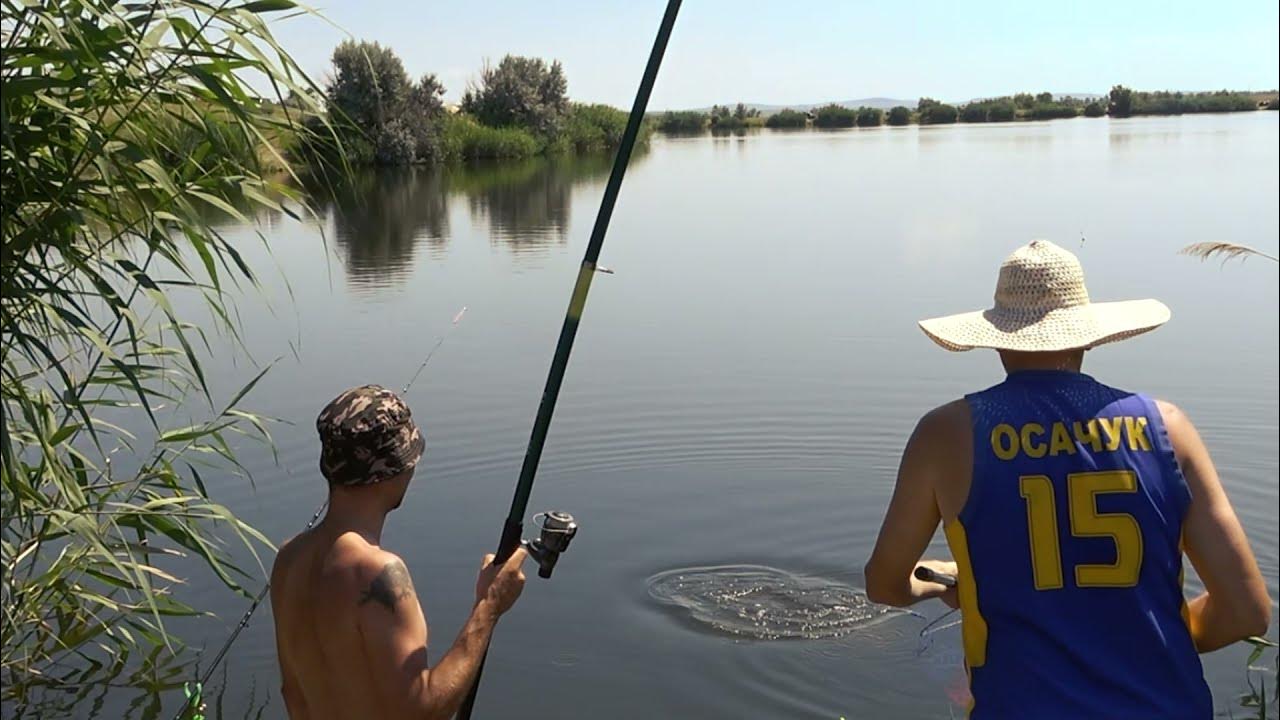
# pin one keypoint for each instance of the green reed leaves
(129, 130)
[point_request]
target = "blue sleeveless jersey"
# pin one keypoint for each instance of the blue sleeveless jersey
(1070, 557)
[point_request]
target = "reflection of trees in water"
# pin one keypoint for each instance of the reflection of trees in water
(526, 203)
(379, 216)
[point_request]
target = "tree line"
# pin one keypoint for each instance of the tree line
(376, 114)
(1120, 102)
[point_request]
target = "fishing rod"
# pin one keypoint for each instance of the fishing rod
(514, 525)
(540, 548)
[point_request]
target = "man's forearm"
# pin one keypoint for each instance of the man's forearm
(900, 590)
(1214, 626)
(450, 680)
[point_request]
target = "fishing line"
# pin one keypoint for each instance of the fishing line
(193, 696)
(933, 627)
(434, 348)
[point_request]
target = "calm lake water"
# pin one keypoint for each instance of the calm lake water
(742, 386)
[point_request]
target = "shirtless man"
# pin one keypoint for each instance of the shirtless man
(1068, 505)
(350, 633)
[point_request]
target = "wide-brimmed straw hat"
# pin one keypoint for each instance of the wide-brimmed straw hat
(1042, 305)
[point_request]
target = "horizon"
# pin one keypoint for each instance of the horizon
(797, 56)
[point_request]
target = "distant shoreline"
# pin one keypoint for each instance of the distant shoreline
(1120, 102)
(756, 128)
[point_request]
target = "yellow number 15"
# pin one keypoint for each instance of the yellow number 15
(1082, 491)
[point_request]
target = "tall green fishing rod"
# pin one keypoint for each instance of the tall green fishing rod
(514, 525)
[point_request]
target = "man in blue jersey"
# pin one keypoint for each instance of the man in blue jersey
(1067, 505)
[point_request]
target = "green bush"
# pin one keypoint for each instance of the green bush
(1095, 109)
(722, 118)
(870, 117)
(974, 113)
(1051, 111)
(1002, 111)
(593, 128)
(684, 121)
(1176, 103)
(462, 138)
(834, 116)
(787, 118)
(933, 112)
(899, 115)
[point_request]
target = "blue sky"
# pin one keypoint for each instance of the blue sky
(797, 52)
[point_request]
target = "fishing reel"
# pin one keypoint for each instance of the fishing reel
(557, 529)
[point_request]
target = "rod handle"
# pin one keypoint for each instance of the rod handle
(930, 575)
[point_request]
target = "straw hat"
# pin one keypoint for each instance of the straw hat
(1042, 305)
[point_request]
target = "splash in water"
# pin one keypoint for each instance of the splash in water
(766, 603)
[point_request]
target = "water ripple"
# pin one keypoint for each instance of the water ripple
(766, 603)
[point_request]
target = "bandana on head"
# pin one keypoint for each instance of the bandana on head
(367, 434)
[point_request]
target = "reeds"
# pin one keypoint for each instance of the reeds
(129, 130)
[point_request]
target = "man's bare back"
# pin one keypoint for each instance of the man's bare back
(350, 633)
(317, 585)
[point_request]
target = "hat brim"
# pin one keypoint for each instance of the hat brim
(1083, 326)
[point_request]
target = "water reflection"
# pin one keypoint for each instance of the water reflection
(525, 204)
(381, 217)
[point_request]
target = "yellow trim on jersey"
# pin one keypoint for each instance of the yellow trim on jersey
(1185, 610)
(973, 628)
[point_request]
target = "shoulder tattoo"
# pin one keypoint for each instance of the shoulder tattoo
(389, 586)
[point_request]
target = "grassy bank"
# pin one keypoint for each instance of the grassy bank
(586, 129)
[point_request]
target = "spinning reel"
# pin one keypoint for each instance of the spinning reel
(557, 529)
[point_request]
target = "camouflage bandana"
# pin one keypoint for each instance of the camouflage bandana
(367, 435)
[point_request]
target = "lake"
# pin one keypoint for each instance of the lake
(742, 385)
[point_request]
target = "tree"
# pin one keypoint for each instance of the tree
(369, 87)
(1024, 101)
(899, 115)
(1044, 97)
(370, 95)
(520, 91)
(933, 112)
(424, 112)
(1002, 111)
(974, 113)
(1121, 102)
(787, 118)
(722, 118)
(869, 117)
(834, 116)
(1095, 109)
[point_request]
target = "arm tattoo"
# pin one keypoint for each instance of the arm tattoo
(389, 586)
